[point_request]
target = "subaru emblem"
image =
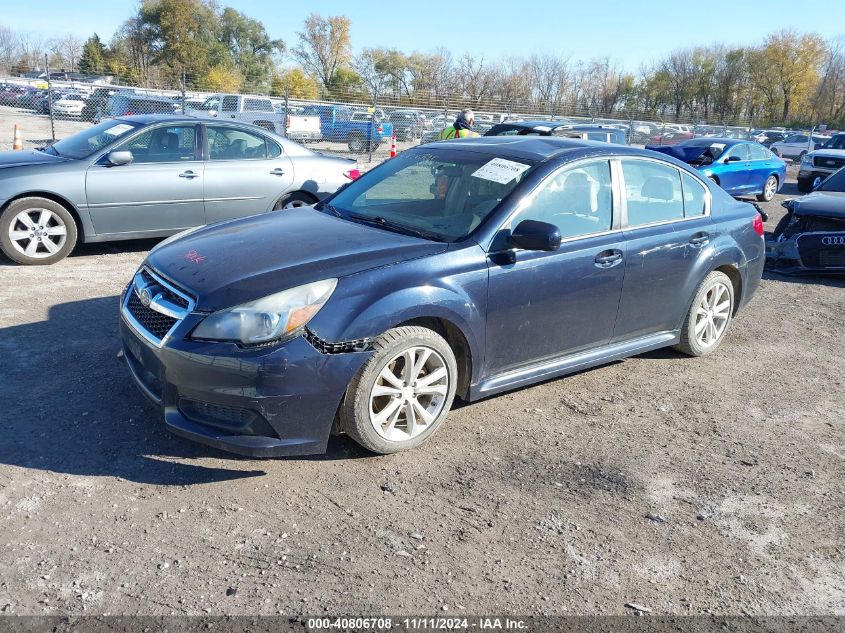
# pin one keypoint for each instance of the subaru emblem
(145, 296)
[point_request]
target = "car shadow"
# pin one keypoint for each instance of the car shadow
(70, 407)
(102, 248)
(831, 280)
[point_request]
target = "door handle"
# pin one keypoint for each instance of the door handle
(278, 171)
(188, 174)
(608, 259)
(699, 239)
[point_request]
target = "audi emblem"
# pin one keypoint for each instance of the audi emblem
(833, 240)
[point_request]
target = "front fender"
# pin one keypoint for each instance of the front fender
(451, 286)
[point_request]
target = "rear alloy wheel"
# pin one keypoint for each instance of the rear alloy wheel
(709, 316)
(769, 189)
(800, 157)
(293, 201)
(36, 231)
(403, 393)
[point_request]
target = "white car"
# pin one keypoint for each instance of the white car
(69, 106)
(796, 146)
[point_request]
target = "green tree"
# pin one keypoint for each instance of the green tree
(252, 50)
(93, 59)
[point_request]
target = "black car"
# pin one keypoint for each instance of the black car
(407, 124)
(811, 236)
(584, 131)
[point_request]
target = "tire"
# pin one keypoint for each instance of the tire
(776, 152)
(711, 293)
(769, 189)
(357, 144)
(294, 200)
(805, 185)
(360, 408)
(800, 157)
(24, 240)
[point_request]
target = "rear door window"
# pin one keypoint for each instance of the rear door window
(230, 143)
(653, 192)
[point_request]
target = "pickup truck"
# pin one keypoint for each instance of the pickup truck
(345, 125)
(260, 111)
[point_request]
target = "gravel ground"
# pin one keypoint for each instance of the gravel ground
(688, 486)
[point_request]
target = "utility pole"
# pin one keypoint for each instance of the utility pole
(50, 99)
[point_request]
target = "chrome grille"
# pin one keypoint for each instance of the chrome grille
(154, 307)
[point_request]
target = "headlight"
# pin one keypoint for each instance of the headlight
(274, 317)
(807, 160)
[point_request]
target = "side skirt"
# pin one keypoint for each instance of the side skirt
(572, 363)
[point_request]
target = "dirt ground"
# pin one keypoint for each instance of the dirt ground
(687, 486)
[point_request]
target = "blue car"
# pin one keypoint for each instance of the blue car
(742, 168)
(462, 268)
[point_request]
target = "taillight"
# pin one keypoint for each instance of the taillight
(758, 224)
(352, 174)
(287, 122)
(380, 129)
(127, 113)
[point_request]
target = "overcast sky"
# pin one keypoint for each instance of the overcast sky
(629, 31)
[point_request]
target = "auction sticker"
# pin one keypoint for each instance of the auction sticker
(500, 170)
(117, 130)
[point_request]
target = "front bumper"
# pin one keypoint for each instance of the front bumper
(805, 253)
(811, 173)
(265, 402)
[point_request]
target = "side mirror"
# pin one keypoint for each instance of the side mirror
(122, 157)
(733, 159)
(533, 235)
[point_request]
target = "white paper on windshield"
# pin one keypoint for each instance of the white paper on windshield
(117, 130)
(500, 170)
(718, 145)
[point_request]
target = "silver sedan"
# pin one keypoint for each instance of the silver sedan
(152, 176)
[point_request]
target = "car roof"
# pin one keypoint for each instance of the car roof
(536, 148)
(715, 139)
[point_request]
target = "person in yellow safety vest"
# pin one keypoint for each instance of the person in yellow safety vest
(461, 128)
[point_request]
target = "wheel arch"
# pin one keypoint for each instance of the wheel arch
(457, 341)
(732, 272)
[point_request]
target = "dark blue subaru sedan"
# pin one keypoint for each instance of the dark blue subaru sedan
(462, 268)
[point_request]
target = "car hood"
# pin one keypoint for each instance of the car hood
(233, 262)
(27, 157)
(829, 204)
(827, 153)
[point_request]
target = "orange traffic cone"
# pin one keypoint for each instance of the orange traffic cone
(17, 143)
(393, 145)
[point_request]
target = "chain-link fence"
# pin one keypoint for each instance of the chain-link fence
(47, 106)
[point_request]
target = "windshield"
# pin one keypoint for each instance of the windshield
(836, 142)
(92, 140)
(441, 194)
(835, 182)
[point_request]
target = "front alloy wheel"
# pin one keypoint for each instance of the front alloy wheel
(709, 316)
(402, 393)
(36, 231)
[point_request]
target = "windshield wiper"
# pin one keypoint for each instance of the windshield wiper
(390, 225)
(333, 209)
